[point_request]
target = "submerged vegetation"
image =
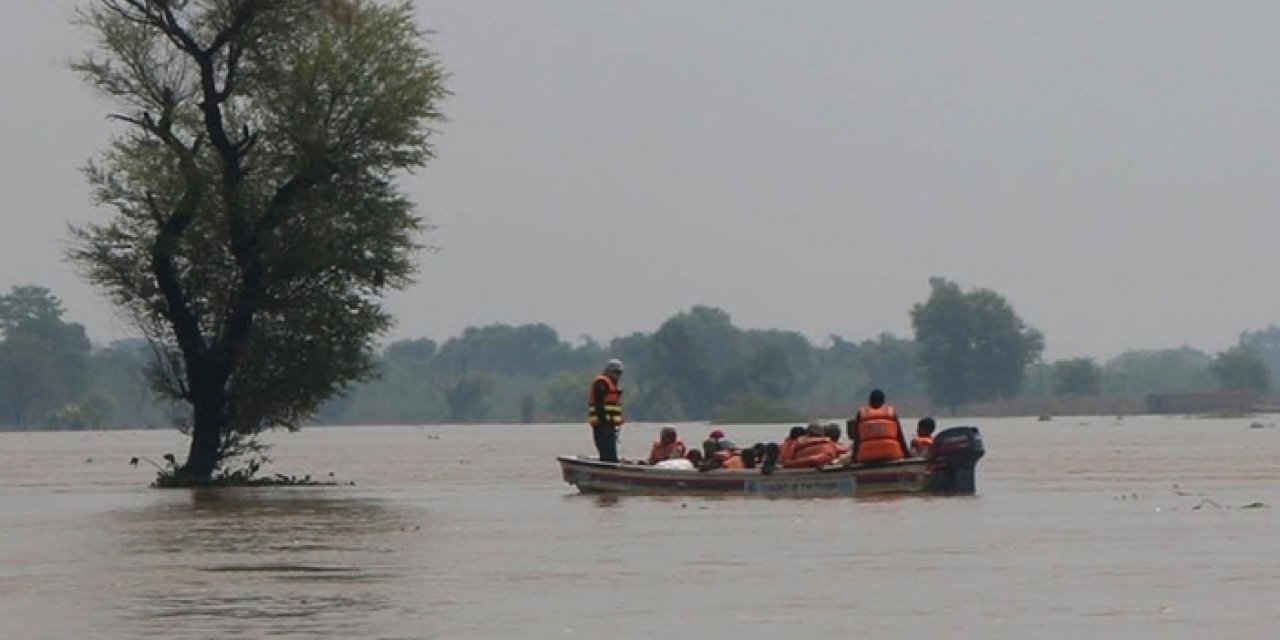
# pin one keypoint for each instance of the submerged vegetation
(256, 220)
(243, 458)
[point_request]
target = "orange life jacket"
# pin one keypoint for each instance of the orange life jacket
(612, 402)
(787, 451)
(879, 434)
(732, 462)
(920, 446)
(661, 451)
(811, 452)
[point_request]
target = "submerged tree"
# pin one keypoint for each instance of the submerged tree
(257, 220)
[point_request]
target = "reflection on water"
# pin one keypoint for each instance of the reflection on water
(605, 500)
(294, 561)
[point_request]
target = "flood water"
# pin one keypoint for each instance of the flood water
(1141, 527)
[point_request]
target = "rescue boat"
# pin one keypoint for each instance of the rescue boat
(949, 470)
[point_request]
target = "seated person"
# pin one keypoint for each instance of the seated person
(923, 442)
(719, 452)
(876, 432)
(812, 450)
(844, 454)
(668, 446)
(769, 460)
(733, 461)
(711, 458)
(695, 457)
(786, 451)
(722, 443)
(833, 432)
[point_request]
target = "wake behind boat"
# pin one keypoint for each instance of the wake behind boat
(949, 470)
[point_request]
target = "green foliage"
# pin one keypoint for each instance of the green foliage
(696, 354)
(660, 402)
(776, 377)
(566, 397)
(748, 408)
(414, 355)
(890, 363)
(118, 371)
(400, 395)
(31, 309)
(242, 457)
(29, 382)
(972, 346)
(44, 361)
(170, 475)
(777, 364)
(485, 373)
(504, 350)
(467, 397)
(256, 221)
(94, 410)
(1239, 369)
(1077, 378)
(1138, 373)
(528, 408)
(1265, 343)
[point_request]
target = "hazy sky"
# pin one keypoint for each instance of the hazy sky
(1109, 167)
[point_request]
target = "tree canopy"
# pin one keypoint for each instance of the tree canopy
(44, 363)
(779, 377)
(1077, 378)
(1265, 343)
(256, 216)
(1239, 369)
(972, 346)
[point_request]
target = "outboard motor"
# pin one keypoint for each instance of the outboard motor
(954, 456)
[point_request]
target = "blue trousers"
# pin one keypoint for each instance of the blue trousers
(606, 437)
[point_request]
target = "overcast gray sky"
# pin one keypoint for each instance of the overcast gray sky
(1109, 167)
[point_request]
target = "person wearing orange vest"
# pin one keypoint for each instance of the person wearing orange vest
(923, 442)
(812, 450)
(604, 410)
(787, 451)
(876, 432)
(668, 446)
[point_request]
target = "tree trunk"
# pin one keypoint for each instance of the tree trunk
(206, 435)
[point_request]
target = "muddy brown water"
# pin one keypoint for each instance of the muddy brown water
(1096, 527)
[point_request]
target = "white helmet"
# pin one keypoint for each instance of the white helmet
(613, 366)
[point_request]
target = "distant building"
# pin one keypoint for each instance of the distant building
(1203, 402)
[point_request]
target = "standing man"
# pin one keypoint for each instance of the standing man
(604, 410)
(876, 432)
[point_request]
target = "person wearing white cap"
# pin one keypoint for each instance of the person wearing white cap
(604, 410)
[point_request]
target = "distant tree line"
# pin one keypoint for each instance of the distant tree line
(969, 349)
